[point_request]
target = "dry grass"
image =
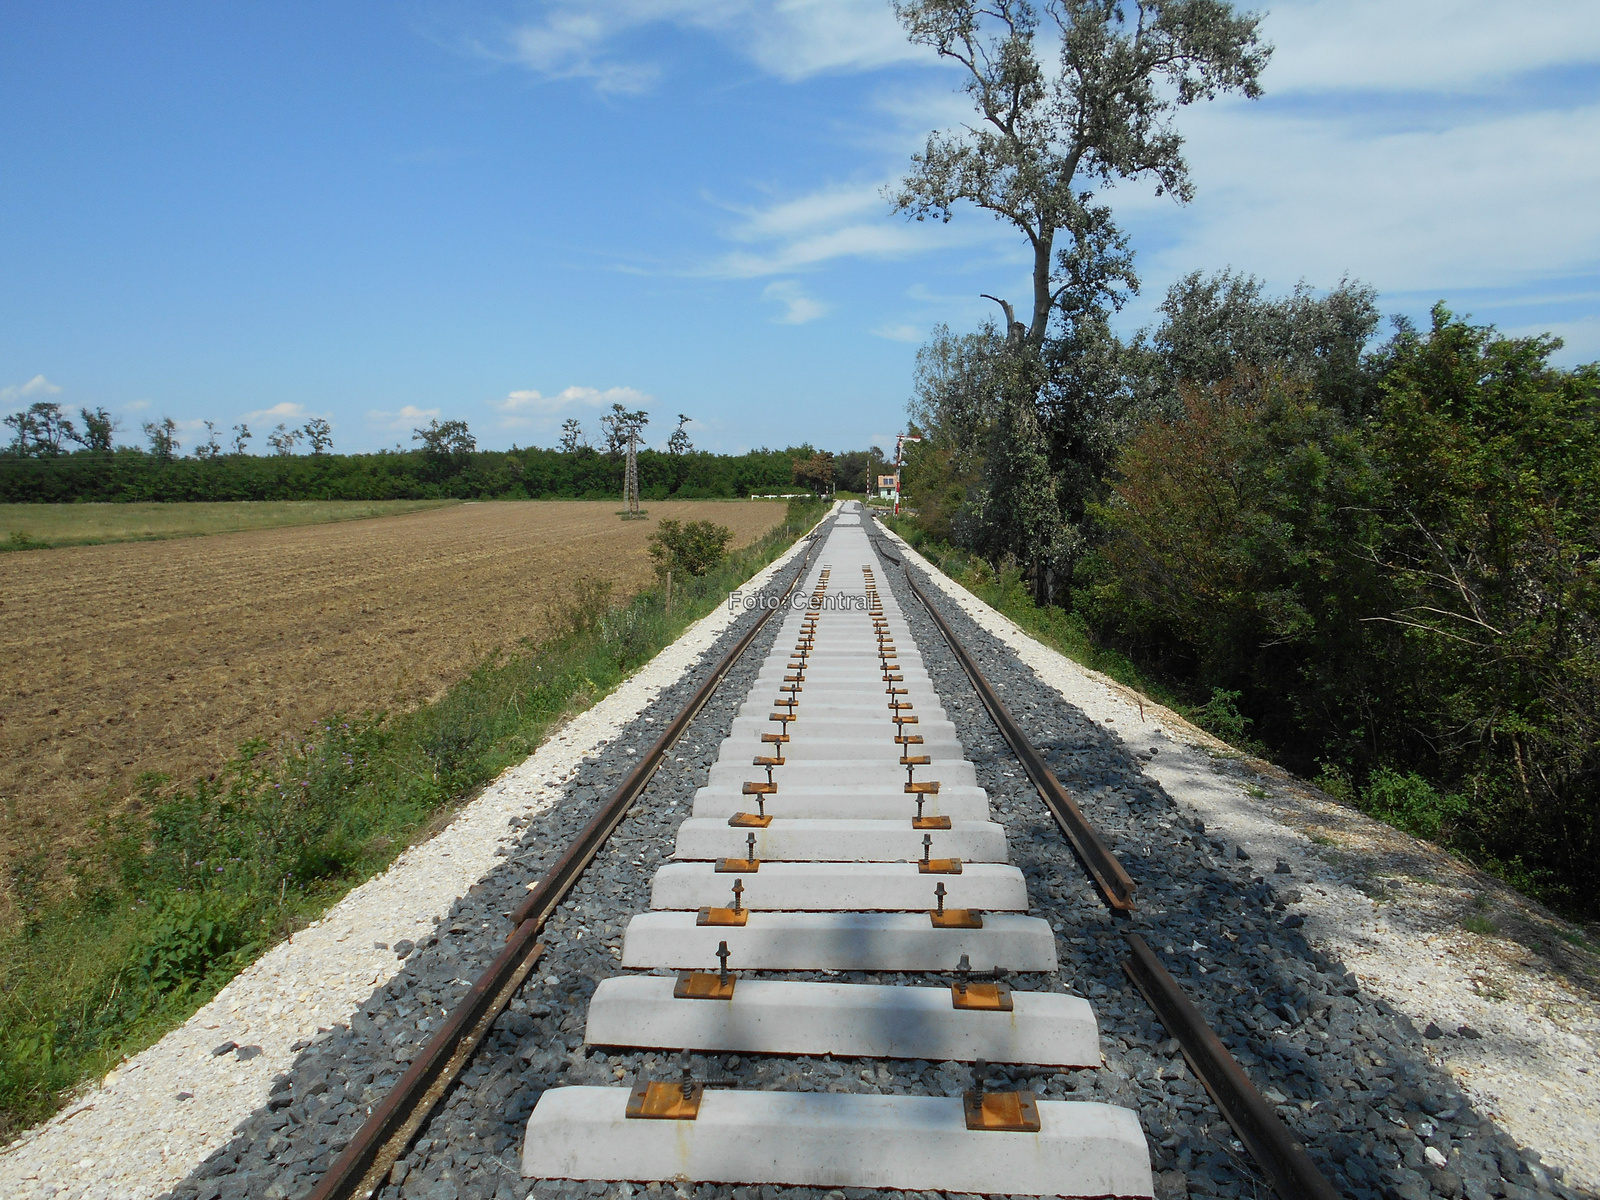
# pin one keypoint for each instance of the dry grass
(32, 526)
(164, 656)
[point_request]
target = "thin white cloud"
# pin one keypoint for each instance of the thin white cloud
(1580, 338)
(1496, 201)
(898, 333)
(136, 406)
(532, 409)
(790, 39)
(532, 401)
(822, 209)
(1449, 46)
(285, 411)
(798, 308)
(35, 389)
(407, 418)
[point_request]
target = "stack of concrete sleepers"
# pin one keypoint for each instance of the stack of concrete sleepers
(841, 829)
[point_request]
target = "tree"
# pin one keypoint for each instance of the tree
(163, 438)
(679, 442)
(283, 440)
(1104, 114)
(1017, 513)
(620, 424)
(210, 448)
(572, 436)
(815, 472)
(1221, 328)
(445, 438)
(1491, 458)
(98, 428)
(857, 470)
(1044, 139)
(40, 430)
(319, 434)
(691, 549)
(21, 424)
(241, 435)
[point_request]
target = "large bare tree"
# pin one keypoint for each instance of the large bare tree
(1048, 135)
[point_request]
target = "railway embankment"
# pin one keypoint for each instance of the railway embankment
(1293, 928)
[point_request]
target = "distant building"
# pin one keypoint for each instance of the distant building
(888, 485)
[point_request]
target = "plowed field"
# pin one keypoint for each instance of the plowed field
(164, 656)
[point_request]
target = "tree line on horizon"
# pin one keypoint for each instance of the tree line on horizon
(40, 465)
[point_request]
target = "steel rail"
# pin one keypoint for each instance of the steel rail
(1113, 881)
(366, 1160)
(1283, 1159)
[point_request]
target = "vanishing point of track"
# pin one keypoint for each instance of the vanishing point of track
(834, 651)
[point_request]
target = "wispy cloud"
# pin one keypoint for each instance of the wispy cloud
(831, 223)
(286, 411)
(532, 409)
(1448, 46)
(35, 389)
(406, 419)
(606, 41)
(533, 401)
(898, 333)
(798, 308)
(1490, 201)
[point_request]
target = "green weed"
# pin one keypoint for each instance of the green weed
(1411, 803)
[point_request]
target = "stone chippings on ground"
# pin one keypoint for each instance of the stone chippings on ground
(1352, 1078)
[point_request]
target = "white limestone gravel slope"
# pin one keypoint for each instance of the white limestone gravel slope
(132, 1137)
(1389, 906)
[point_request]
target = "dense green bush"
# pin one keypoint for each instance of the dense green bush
(1410, 595)
(691, 549)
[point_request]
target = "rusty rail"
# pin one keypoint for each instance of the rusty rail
(1283, 1159)
(1109, 875)
(365, 1162)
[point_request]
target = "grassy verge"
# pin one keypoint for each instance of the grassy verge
(41, 526)
(178, 895)
(1066, 632)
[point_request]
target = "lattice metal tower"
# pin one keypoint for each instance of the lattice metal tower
(630, 483)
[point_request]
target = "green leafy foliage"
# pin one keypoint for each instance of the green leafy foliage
(691, 549)
(1411, 592)
(1411, 803)
(184, 945)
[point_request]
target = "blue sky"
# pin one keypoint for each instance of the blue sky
(516, 213)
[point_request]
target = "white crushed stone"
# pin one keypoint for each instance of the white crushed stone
(131, 1138)
(1536, 1067)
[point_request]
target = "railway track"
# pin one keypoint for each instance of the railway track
(837, 891)
(586, 976)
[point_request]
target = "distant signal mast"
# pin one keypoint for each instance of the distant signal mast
(899, 442)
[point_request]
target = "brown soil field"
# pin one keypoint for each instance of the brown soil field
(165, 656)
